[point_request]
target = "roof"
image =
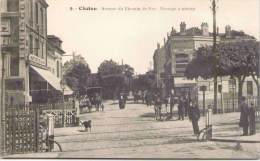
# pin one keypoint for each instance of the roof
(193, 31)
(236, 34)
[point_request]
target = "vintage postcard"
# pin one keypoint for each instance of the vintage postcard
(130, 79)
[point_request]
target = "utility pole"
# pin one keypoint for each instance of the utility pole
(3, 105)
(215, 62)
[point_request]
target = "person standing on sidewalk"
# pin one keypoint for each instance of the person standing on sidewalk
(252, 119)
(158, 106)
(171, 104)
(186, 105)
(181, 109)
(194, 117)
(244, 112)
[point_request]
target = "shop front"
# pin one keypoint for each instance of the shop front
(45, 87)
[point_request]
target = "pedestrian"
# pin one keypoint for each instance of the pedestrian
(244, 111)
(252, 130)
(166, 101)
(158, 106)
(194, 117)
(171, 104)
(186, 105)
(181, 109)
(147, 99)
(121, 101)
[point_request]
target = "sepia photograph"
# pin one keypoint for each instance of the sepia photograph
(130, 79)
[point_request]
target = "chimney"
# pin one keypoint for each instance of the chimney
(182, 27)
(158, 45)
(205, 29)
(164, 41)
(228, 31)
(173, 31)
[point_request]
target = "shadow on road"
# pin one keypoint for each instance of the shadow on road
(182, 140)
(234, 141)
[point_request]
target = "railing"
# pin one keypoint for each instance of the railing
(26, 125)
(230, 104)
(23, 132)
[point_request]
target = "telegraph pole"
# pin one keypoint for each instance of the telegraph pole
(215, 62)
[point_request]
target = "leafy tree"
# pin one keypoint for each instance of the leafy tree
(145, 81)
(237, 59)
(114, 77)
(76, 73)
(109, 67)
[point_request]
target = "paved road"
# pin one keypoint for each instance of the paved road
(134, 133)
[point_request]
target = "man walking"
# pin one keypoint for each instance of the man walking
(194, 117)
(244, 111)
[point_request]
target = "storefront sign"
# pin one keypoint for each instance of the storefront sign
(37, 60)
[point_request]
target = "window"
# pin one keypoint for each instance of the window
(58, 69)
(37, 47)
(36, 12)
(42, 22)
(31, 44)
(42, 50)
(13, 5)
(61, 69)
(31, 9)
(181, 62)
(249, 87)
(14, 67)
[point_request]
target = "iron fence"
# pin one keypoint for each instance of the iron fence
(227, 105)
(26, 125)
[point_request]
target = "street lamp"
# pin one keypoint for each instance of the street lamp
(62, 85)
(214, 52)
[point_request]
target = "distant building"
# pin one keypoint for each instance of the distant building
(24, 44)
(159, 62)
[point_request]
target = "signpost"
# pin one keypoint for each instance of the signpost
(209, 123)
(203, 89)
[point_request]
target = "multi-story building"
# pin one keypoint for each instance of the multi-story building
(179, 50)
(159, 62)
(24, 51)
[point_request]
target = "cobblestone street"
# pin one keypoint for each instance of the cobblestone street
(134, 133)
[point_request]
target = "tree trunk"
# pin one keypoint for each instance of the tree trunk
(240, 87)
(255, 78)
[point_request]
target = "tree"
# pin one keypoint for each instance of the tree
(145, 81)
(109, 67)
(76, 73)
(115, 77)
(242, 60)
(237, 59)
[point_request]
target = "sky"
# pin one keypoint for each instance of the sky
(132, 35)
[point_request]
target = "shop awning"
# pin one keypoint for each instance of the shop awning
(52, 80)
(184, 82)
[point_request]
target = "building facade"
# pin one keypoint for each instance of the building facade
(24, 44)
(178, 50)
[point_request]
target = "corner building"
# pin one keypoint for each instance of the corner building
(24, 50)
